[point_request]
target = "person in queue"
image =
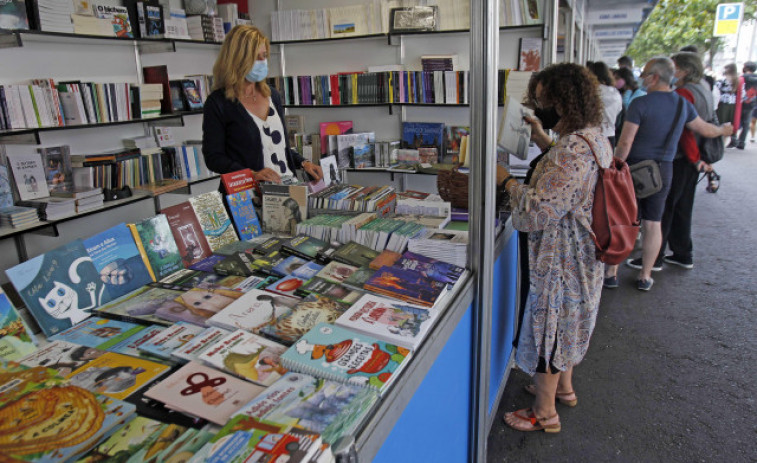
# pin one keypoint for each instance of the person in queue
(648, 122)
(554, 208)
(613, 103)
(243, 117)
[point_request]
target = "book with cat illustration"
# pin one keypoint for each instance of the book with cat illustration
(332, 352)
(244, 214)
(142, 306)
(17, 340)
(160, 250)
(247, 356)
(214, 220)
(187, 232)
(116, 375)
(253, 310)
(330, 408)
(60, 288)
(204, 392)
(314, 309)
(117, 260)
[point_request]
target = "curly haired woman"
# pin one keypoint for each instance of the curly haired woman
(555, 209)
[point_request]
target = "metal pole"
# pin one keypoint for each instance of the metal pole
(484, 51)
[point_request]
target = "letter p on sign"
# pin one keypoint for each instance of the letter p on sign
(728, 19)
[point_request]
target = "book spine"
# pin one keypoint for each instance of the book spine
(141, 248)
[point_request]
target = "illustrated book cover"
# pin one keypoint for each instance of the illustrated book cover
(346, 143)
(99, 333)
(187, 232)
(430, 267)
(215, 222)
(192, 350)
(61, 356)
(131, 345)
(330, 290)
(390, 320)
(331, 173)
(289, 265)
(159, 245)
(199, 304)
(354, 253)
(128, 440)
(240, 263)
(332, 128)
(204, 392)
(116, 375)
(284, 206)
(314, 309)
(58, 172)
(304, 246)
(240, 180)
(253, 310)
(329, 408)
(117, 260)
(60, 288)
(16, 340)
(514, 132)
(358, 278)
(332, 352)
(172, 338)
(406, 285)
(29, 175)
(248, 356)
(336, 271)
(529, 55)
(142, 305)
(244, 215)
(287, 286)
(207, 264)
(417, 135)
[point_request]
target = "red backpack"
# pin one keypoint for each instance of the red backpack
(615, 223)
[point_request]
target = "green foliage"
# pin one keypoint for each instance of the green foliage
(676, 23)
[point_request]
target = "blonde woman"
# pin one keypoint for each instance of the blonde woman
(243, 118)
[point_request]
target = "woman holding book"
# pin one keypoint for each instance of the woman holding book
(243, 118)
(554, 208)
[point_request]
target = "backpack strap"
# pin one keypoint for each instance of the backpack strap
(675, 121)
(590, 149)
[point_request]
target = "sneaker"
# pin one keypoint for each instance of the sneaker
(685, 263)
(636, 263)
(740, 147)
(732, 144)
(611, 282)
(644, 285)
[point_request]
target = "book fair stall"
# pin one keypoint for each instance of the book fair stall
(156, 311)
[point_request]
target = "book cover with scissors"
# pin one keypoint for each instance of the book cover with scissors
(204, 392)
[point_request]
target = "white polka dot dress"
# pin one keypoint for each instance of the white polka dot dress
(272, 137)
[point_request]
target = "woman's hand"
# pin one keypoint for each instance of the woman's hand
(313, 170)
(267, 175)
(703, 167)
(538, 135)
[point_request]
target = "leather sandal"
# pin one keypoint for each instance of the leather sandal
(526, 420)
(566, 398)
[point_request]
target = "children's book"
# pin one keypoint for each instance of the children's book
(238, 246)
(215, 222)
(192, 350)
(58, 172)
(131, 345)
(406, 285)
(240, 180)
(142, 305)
(353, 253)
(159, 246)
(430, 267)
(185, 446)
(19, 380)
(307, 270)
(284, 206)
(117, 260)
(204, 392)
(16, 340)
(417, 135)
(116, 375)
(247, 356)
(99, 333)
(250, 283)
(60, 288)
(289, 265)
(187, 232)
(329, 408)
(336, 272)
(172, 338)
(331, 290)
(332, 352)
(61, 356)
(332, 128)
(287, 286)
(296, 446)
(244, 215)
(207, 264)
(29, 175)
(312, 310)
(253, 310)
(156, 410)
(156, 442)
(198, 305)
(392, 321)
(128, 440)
(304, 246)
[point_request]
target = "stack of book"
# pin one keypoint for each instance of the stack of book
(445, 245)
(52, 208)
(205, 28)
(55, 15)
(439, 63)
(149, 97)
(86, 198)
(16, 217)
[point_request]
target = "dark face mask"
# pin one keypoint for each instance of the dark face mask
(548, 117)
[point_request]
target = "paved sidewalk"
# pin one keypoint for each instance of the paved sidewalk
(670, 374)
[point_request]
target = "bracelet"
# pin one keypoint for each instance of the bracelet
(549, 147)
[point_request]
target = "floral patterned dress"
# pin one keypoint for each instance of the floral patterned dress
(566, 277)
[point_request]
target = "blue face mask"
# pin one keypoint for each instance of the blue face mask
(259, 71)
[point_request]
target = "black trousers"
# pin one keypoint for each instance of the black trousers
(676, 220)
(746, 117)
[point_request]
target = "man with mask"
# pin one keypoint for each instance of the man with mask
(653, 125)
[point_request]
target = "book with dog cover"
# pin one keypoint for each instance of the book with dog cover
(187, 232)
(214, 220)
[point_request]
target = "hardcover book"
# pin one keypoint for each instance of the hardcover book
(330, 290)
(392, 321)
(240, 180)
(29, 175)
(244, 215)
(247, 356)
(198, 305)
(358, 278)
(187, 232)
(332, 128)
(214, 220)
(353, 253)
(129, 439)
(13, 15)
(117, 260)
(417, 135)
(386, 258)
(98, 333)
(204, 392)
(131, 345)
(58, 172)
(253, 310)
(192, 350)
(363, 155)
(329, 408)
(346, 143)
(304, 246)
(289, 265)
(312, 310)
(332, 352)
(61, 356)
(284, 206)
(60, 288)
(156, 442)
(208, 264)
(142, 305)
(287, 286)
(159, 245)
(116, 375)
(336, 272)
(172, 338)
(406, 285)
(430, 268)
(16, 339)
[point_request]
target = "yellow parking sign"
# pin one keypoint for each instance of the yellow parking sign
(728, 18)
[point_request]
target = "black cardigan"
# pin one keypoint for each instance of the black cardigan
(231, 139)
